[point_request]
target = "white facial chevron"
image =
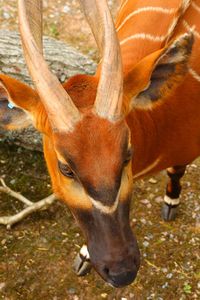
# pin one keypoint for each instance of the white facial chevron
(106, 209)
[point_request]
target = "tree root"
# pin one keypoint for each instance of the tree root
(31, 206)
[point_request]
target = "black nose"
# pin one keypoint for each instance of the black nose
(122, 279)
(119, 274)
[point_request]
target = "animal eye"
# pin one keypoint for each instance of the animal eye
(128, 156)
(65, 170)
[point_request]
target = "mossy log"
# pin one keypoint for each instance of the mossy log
(64, 60)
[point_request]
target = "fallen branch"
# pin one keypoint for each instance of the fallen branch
(5, 189)
(65, 61)
(31, 206)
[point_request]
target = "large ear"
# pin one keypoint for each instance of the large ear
(19, 104)
(154, 78)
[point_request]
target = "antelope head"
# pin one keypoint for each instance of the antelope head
(87, 142)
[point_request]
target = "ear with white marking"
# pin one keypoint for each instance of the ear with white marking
(158, 74)
(19, 104)
(11, 117)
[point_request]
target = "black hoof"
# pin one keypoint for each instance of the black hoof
(82, 265)
(169, 212)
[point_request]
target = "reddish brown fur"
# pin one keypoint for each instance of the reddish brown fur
(165, 134)
(96, 145)
(154, 132)
(135, 50)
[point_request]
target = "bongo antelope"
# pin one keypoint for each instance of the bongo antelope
(137, 115)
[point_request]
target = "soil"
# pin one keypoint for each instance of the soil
(36, 255)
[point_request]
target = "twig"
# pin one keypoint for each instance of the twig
(31, 206)
(152, 265)
(5, 189)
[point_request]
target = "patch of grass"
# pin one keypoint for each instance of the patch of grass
(53, 30)
(187, 288)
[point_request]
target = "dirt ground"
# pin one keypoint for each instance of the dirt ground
(36, 256)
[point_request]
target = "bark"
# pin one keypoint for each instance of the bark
(64, 60)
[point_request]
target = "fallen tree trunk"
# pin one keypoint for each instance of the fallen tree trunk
(65, 61)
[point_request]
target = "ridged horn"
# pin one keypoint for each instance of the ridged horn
(62, 112)
(108, 103)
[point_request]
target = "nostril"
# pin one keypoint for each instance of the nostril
(106, 270)
(123, 279)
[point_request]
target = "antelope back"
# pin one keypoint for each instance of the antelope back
(139, 37)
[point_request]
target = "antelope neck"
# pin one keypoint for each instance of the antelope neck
(145, 141)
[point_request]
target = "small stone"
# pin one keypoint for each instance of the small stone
(194, 215)
(159, 199)
(149, 236)
(145, 201)
(164, 270)
(2, 285)
(169, 276)
(3, 242)
(71, 291)
(104, 295)
(165, 285)
(151, 297)
(145, 244)
(66, 9)
(6, 15)
(162, 239)
(152, 180)
(151, 196)
(13, 181)
(143, 221)
(193, 166)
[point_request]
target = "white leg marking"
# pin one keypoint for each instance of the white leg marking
(168, 11)
(147, 169)
(84, 252)
(171, 201)
(171, 170)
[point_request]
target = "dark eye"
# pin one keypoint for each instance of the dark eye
(128, 156)
(65, 170)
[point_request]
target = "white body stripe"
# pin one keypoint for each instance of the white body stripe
(195, 6)
(147, 9)
(123, 5)
(144, 36)
(191, 28)
(171, 201)
(148, 169)
(194, 74)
